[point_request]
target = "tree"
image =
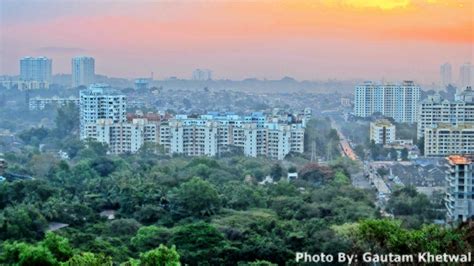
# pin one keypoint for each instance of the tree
(90, 259)
(58, 246)
(149, 237)
(161, 256)
(199, 242)
(196, 197)
(36, 255)
(66, 120)
(404, 154)
(103, 165)
(393, 154)
(21, 222)
(421, 145)
(276, 172)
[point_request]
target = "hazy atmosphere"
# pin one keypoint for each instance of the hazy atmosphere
(305, 39)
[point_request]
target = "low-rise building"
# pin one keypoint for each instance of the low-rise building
(446, 139)
(39, 103)
(382, 132)
(24, 85)
(459, 200)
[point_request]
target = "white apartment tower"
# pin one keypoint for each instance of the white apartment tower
(36, 69)
(83, 71)
(435, 110)
(398, 101)
(100, 102)
(459, 200)
(446, 74)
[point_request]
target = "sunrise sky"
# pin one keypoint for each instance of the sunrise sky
(305, 39)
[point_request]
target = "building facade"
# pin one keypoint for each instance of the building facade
(83, 71)
(123, 137)
(39, 103)
(398, 101)
(466, 75)
(210, 136)
(446, 74)
(100, 102)
(435, 110)
(446, 139)
(24, 85)
(382, 132)
(459, 200)
(36, 68)
(202, 74)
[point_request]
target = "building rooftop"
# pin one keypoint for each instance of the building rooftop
(382, 122)
(460, 159)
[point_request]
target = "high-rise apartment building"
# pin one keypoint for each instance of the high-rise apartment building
(459, 200)
(446, 139)
(398, 101)
(83, 71)
(446, 74)
(202, 74)
(466, 75)
(99, 101)
(382, 132)
(36, 68)
(123, 137)
(435, 110)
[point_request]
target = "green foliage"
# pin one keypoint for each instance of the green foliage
(199, 242)
(218, 218)
(149, 237)
(66, 120)
(196, 197)
(21, 222)
(58, 246)
(241, 196)
(161, 256)
(412, 207)
(90, 259)
(388, 236)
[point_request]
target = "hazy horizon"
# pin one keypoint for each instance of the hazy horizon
(306, 40)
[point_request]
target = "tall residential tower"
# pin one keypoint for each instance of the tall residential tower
(83, 71)
(36, 69)
(99, 101)
(446, 74)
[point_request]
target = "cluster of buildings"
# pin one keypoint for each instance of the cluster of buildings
(466, 75)
(36, 73)
(447, 126)
(103, 118)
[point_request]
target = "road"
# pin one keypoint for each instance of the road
(369, 176)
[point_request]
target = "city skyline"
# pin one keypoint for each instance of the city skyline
(302, 39)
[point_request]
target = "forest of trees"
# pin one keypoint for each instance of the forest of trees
(208, 211)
